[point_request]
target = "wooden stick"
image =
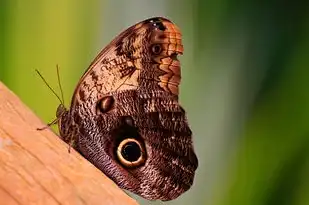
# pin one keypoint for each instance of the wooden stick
(36, 168)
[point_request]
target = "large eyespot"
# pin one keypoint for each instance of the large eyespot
(131, 152)
(105, 104)
(156, 49)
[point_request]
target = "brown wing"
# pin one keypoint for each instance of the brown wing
(125, 117)
(145, 52)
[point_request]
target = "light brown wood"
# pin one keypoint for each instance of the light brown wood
(36, 168)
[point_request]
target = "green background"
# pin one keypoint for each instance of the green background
(244, 85)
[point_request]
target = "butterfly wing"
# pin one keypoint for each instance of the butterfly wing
(125, 116)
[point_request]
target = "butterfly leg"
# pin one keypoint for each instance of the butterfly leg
(55, 121)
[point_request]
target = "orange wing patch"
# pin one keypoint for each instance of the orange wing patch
(131, 58)
(171, 45)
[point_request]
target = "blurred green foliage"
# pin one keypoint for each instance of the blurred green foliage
(245, 80)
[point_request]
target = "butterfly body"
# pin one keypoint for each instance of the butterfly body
(125, 117)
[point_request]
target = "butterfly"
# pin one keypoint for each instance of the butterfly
(125, 117)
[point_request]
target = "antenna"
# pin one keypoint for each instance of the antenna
(59, 84)
(58, 76)
(60, 100)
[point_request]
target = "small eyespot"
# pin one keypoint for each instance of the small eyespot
(105, 104)
(131, 152)
(156, 49)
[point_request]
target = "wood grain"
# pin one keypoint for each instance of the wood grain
(36, 168)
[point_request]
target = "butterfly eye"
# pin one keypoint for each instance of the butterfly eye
(60, 110)
(105, 104)
(156, 49)
(131, 152)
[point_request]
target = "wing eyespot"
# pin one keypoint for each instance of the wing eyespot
(129, 149)
(131, 152)
(156, 49)
(105, 104)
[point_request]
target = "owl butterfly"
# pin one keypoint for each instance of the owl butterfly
(125, 117)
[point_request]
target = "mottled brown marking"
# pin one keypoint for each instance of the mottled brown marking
(82, 95)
